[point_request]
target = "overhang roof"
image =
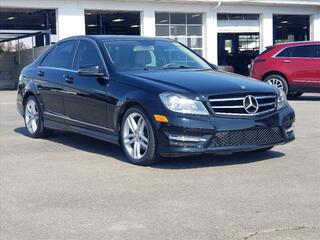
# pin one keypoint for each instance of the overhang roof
(9, 34)
(245, 2)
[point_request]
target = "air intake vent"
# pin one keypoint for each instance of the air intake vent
(249, 137)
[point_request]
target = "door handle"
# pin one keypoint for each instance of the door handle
(286, 61)
(68, 79)
(40, 73)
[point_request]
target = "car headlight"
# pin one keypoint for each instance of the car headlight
(182, 104)
(281, 100)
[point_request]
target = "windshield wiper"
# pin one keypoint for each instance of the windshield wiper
(176, 67)
(205, 69)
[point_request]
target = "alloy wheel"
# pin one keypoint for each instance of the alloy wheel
(32, 116)
(136, 136)
(276, 82)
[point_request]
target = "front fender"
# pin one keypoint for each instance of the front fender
(147, 100)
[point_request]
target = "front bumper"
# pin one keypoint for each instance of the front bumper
(224, 135)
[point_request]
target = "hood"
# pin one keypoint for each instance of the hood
(197, 82)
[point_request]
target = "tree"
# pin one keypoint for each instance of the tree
(12, 46)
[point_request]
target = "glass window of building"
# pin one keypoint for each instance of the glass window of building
(186, 28)
(291, 28)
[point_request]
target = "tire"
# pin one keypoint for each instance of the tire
(133, 138)
(278, 81)
(33, 119)
(294, 94)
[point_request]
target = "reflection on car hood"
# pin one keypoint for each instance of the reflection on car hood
(198, 82)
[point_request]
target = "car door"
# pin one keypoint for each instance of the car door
(317, 60)
(50, 76)
(84, 97)
(302, 68)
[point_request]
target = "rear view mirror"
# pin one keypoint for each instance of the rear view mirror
(90, 70)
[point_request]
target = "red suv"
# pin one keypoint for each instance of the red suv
(292, 67)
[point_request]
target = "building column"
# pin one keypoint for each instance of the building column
(70, 22)
(266, 30)
(315, 27)
(148, 23)
(211, 36)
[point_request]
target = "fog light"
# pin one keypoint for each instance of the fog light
(188, 138)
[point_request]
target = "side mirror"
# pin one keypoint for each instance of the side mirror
(90, 70)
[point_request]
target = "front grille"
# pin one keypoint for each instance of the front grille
(261, 136)
(233, 104)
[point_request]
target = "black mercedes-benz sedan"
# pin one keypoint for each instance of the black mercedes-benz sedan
(153, 96)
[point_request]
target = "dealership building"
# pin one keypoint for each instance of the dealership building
(226, 32)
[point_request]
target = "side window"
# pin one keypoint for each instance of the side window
(46, 60)
(307, 51)
(87, 54)
(285, 52)
(62, 55)
(318, 51)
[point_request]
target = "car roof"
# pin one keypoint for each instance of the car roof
(115, 37)
(288, 44)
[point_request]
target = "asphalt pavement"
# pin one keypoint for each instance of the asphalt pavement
(73, 187)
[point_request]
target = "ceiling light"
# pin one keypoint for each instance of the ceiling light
(92, 25)
(135, 26)
(88, 13)
(42, 25)
(164, 21)
(195, 15)
(11, 18)
(279, 26)
(305, 27)
(284, 22)
(118, 20)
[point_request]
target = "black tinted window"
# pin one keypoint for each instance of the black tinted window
(285, 52)
(318, 51)
(62, 55)
(87, 54)
(46, 60)
(307, 51)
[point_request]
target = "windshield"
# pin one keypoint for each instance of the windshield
(130, 55)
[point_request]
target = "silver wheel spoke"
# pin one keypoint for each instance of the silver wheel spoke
(143, 138)
(129, 139)
(144, 145)
(132, 123)
(33, 108)
(34, 125)
(140, 123)
(29, 110)
(29, 124)
(276, 82)
(136, 150)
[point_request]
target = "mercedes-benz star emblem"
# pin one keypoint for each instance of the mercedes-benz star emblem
(250, 104)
